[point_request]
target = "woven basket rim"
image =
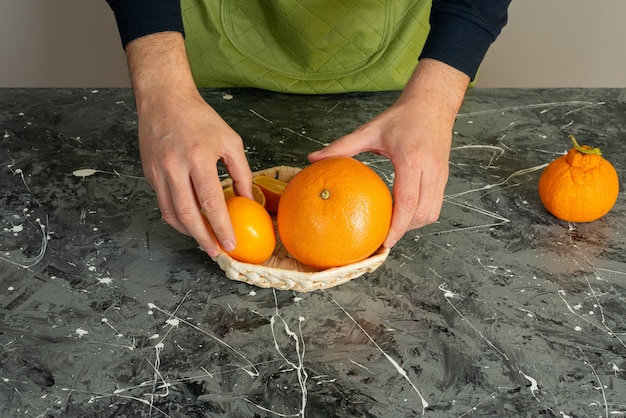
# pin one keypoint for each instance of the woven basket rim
(301, 278)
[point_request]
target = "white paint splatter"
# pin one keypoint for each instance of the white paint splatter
(533, 383)
(85, 172)
(600, 385)
(390, 359)
(449, 295)
(105, 280)
(81, 332)
(615, 368)
(29, 262)
(174, 322)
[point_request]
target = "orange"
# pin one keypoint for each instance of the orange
(334, 212)
(254, 231)
(229, 192)
(272, 189)
(580, 186)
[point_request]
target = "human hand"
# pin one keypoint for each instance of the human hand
(181, 139)
(415, 133)
(180, 142)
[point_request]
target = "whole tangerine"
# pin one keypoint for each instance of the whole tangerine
(259, 196)
(254, 230)
(334, 212)
(580, 186)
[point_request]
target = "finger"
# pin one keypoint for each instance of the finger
(406, 193)
(432, 187)
(426, 211)
(188, 213)
(238, 168)
(209, 196)
(432, 194)
(168, 212)
(416, 207)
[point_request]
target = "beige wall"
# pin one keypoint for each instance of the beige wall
(559, 43)
(67, 43)
(547, 43)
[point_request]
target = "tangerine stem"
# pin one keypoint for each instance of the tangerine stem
(325, 194)
(585, 149)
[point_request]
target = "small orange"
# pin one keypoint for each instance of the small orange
(334, 212)
(259, 196)
(272, 189)
(580, 186)
(254, 231)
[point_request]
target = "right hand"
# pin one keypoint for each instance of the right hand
(180, 142)
(181, 139)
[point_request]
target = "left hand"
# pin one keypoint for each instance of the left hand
(415, 133)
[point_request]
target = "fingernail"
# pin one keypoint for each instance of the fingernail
(213, 252)
(390, 243)
(228, 245)
(314, 154)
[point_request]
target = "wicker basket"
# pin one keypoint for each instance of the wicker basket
(283, 272)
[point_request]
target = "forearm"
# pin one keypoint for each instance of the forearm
(181, 139)
(438, 84)
(159, 68)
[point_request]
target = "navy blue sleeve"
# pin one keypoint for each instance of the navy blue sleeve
(461, 31)
(136, 18)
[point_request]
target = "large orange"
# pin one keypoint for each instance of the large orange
(254, 231)
(334, 212)
(580, 186)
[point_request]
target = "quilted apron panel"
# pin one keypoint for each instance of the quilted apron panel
(308, 46)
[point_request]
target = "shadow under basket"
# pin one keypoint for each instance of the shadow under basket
(283, 272)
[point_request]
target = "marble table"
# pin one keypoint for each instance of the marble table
(498, 309)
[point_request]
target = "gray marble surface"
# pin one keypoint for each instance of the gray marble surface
(499, 309)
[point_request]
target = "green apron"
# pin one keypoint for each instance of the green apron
(308, 46)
